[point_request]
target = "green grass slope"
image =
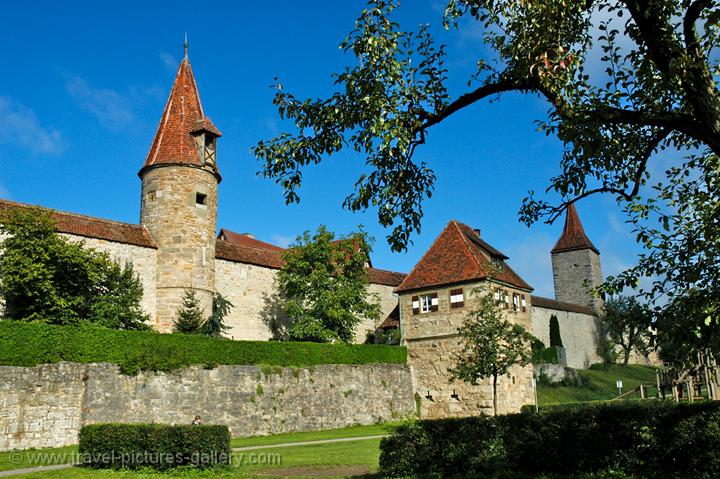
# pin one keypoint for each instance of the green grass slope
(598, 384)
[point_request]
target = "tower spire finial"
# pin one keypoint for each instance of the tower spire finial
(185, 46)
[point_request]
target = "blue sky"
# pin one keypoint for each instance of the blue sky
(84, 85)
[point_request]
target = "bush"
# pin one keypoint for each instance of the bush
(644, 439)
(158, 446)
(49, 278)
(30, 344)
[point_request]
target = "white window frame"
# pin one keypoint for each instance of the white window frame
(426, 301)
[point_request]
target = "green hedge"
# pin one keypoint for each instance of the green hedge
(643, 439)
(158, 446)
(30, 344)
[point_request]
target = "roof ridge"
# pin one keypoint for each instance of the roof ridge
(467, 244)
(386, 270)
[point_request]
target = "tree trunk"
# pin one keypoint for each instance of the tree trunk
(626, 359)
(494, 394)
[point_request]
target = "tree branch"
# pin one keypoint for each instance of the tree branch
(643, 159)
(691, 16)
(489, 89)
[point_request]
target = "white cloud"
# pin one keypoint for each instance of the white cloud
(281, 240)
(170, 62)
(112, 109)
(530, 258)
(19, 126)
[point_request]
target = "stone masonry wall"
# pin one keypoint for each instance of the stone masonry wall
(570, 271)
(579, 333)
(184, 231)
(45, 406)
(432, 341)
(253, 292)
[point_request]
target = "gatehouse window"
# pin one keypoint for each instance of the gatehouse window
(425, 303)
(201, 199)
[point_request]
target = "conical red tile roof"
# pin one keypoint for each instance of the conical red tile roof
(459, 255)
(174, 142)
(573, 236)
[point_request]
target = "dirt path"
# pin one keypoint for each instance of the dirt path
(306, 443)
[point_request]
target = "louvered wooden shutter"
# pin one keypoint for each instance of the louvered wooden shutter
(416, 304)
(523, 303)
(434, 302)
(456, 298)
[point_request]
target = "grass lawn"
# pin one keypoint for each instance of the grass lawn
(598, 385)
(359, 455)
(351, 457)
(36, 457)
(353, 431)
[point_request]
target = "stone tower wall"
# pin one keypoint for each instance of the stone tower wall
(571, 270)
(432, 342)
(184, 231)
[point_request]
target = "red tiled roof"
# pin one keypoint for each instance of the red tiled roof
(392, 320)
(246, 240)
(388, 278)
(90, 227)
(241, 253)
(272, 258)
(183, 115)
(573, 236)
(547, 303)
(458, 255)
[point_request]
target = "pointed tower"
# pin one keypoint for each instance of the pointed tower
(180, 181)
(576, 265)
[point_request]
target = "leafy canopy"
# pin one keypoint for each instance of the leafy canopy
(623, 81)
(47, 278)
(490, 345)
(325, 286)
(627, 322)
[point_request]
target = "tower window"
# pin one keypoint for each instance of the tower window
(201, 199)
(151, 195)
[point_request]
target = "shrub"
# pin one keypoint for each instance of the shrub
(158, 446)
(30, 344)
(645, 439)
(49, 278)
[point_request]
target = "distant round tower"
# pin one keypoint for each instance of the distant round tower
(179, 199)
(576, 265)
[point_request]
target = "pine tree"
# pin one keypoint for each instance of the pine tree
(190, 317)
(555, 338)
(215, 326)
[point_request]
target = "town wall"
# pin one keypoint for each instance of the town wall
(45, 406)
(579, 332)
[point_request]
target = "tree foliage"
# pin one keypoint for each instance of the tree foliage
(325, 286)
(491, 345)
(627, 322)
(190, 316)
(555, 338)
(215, 324)
(623, 81)
(48, 278)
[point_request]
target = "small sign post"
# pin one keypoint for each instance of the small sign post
(619, 385)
